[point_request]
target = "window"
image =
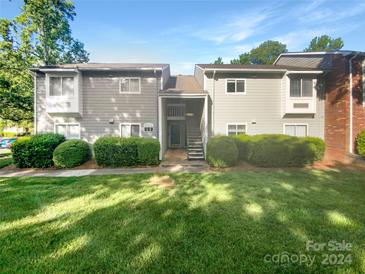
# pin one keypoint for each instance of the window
(301, 87)
(130, 130)
(236, 86)
(61, 86)
(130, 85)
(235, 129)
(70, 131)
(299, 130)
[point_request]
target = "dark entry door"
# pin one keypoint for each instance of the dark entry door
(176, 135)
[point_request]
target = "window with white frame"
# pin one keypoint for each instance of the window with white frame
(130, 85)
(70, 131)
(61, 86)
(236, 86)
(301, 87)
(236, 129)
(298, 130)
(130, 130)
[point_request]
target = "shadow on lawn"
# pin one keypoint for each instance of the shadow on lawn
(217, 222)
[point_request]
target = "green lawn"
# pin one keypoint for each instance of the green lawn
(206, 223)
(5, 158)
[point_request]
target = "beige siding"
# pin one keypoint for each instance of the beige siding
(260, 107)
(102, 103)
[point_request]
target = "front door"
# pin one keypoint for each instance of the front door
(175, 135)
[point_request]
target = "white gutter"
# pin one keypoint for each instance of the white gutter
(35, 105)
(351, 106)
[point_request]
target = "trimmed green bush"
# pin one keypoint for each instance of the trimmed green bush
(71, 153)
(277, 150)
(222, 151)
(360, 144)
(148, 151)
(36, 151)
(113, 151)
(20, 150)
(319, 146)
(243, 143)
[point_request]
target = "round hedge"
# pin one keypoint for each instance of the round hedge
(71, 153)
(360, 144)
(222, 151)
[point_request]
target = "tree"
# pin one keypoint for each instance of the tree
(40, 35)
(219, 61)
(324, 43)
(265, 53)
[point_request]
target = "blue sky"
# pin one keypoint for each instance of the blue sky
(183, 33)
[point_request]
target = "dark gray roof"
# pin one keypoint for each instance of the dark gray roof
(106, 66)
(252, 67)
(183, 84)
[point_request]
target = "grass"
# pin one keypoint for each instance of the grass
(206, 223)
(5, 158)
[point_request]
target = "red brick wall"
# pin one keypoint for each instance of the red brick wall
(336, 110)
(357, 95)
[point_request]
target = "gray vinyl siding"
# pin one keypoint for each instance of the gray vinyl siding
(43, 121)
(261, 107)
(102, 103)
(165, 77)
(199, 75)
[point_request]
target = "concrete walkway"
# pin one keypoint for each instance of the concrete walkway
(163, 168)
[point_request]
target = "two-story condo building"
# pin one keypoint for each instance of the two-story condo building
(302, 94)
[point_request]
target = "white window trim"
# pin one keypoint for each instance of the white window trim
(236, 124)
(61, 76)
(130, 92)
(68, 124)
(235, 93)
(296, 124)
(130, 124)
(301, 89)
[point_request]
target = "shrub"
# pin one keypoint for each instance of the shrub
(6, 134)
(319, 146)
(276, 150)
(71, 153)
(242, 143)
(36, 151)
(360, 144)
(222, 151)
(148, 151)
(113, 151)
(20, 150)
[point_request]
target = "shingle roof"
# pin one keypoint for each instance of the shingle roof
(106, 66)
(186, 84)
(252, 67)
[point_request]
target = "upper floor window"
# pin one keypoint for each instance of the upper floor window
(130, 130)
(301, 87)
(70, 131)
(236, 129)
(130, 85)
(61, 86)
(236, 86)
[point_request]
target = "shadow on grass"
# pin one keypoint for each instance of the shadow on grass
(217, 222)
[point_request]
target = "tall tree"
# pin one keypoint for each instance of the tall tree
(40, 35)
(218, 61)
(265, 53)
(324, 43)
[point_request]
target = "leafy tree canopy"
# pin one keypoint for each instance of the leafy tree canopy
(324, 43)
(40, 35)
(265, 53)
(219, 61)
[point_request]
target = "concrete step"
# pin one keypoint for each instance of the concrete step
(195, 158)
(195, 149)
(195, 152)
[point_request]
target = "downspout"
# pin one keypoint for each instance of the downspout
(213, 107)
(35, 105)
(351, 106)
